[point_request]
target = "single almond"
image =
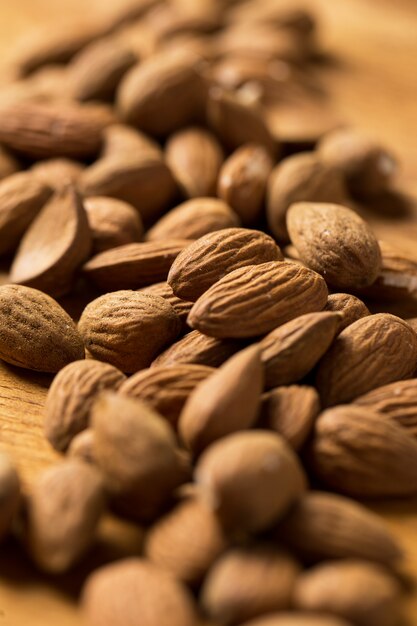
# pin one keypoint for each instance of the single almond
(350, 308)
(181, 307)
(81, 446)
(397, 401)
(297, 618)
(9, 495)
(196, 348)
(58, 173)
(112, 223)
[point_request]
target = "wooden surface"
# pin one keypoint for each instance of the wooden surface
(373, 85)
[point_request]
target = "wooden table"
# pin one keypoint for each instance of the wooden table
(374, 86)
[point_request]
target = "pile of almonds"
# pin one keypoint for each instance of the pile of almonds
(226, 386)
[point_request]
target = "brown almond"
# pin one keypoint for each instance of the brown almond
(128, 328)
(21, 198)
(81, 446)
(374, 351)
(36, 333)
(70, 398)
(181, 307)
(291, 412)
(9, 495)
(253, 300)
(243, 179)
(166, 389)
(55, 245)
(327, 526)
(213, 256)
(269, 578)
(250, 479)
(8, 163)
(290, 351)
(350, 308)
(193, 219)
(63, 511)
(199, 349)
(397, 401)
(135, 450)
(112, 223)
(338, 588)
(136, 591)
(195, 157)
(133, 265)
(300, 178)
(58, 173)
(363, 453)
(296, 618)
(335, 242)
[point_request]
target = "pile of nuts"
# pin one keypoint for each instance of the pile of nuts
(225, 387)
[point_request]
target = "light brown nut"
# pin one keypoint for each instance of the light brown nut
(133, 265)
(296, 618)
(291, 412)
(335, 242)
(350, 308)
(199, 349)
(9, 495)
(135, 450)
(300, 178)
(44, 130)
(22, 196)
(338, 588)
(250, 479)
(290, 351)
(213, 256)
(226, 402)
(243, 179)
(162, 94)
(327, 526)
(249, 581)
(186, 541)
(8, 163)
(195, 157)
(81, 446)
(112, 223)
(128, 329)
(36, 333)
(374, 351)
(70, 398)
(58, 173)
(63, 510)
(135, 591)
(57, 242)
(166, 389)
(181, 307)
(193, 219)
(397, 401)
(363, 453)
(367, 167)
(253, 300)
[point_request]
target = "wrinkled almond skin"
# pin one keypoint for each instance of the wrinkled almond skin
(350, 308)
(363, 453)
(181, 307)
(193, 219)
(397, 401)
(335, 242)
(213, 256)
(133, 265)
(270, 576)
(253, 300)
(58, 173)
(195, 157)
(70, 398)
(327, 526)
(371, 352)
(134, 591)
(290, 351)
(338, 588)
(226, 402)
(296, 618)
(9, 495)
(128, 329)
(199, 349)
(36, 333)
(250, 479)
(166, 389)
(64, 508)
(291, 412)
(112, 223)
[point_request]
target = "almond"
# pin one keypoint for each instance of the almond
(8, 163)
(181, 307)
(112, 223)
(371, 352)
(213, 256)
(70, 398)
(9, 495)
(335, 242)
(58, 173)
(250, 479)
(198, 349)
(55, 245)
(133, 265)
(36, 333)
(81, 446)
(195, 157)
(291, 351)
(398, 401)
(193, 219)
(166, 389)
(363, 453)
(257, 298)
(350, 308)
(128, 329)
(296, 618)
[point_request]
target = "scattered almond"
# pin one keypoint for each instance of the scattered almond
(199, 349)
(112, 223)
(181, 307)
(81, 446)
(58, 173)
(350, 308)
